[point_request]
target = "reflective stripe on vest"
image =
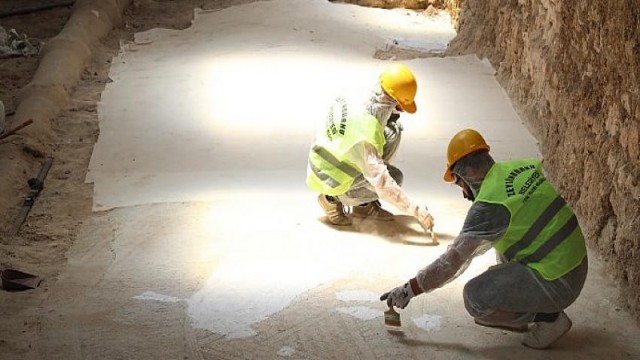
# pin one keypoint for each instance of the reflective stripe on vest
(543, 231)
(323, 176)
(536, 228)
(329, 171)
(344, 167)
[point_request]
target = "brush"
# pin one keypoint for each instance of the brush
(434, 238)
(392, 318)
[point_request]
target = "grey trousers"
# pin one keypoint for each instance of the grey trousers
(361, 191)
(513, 287)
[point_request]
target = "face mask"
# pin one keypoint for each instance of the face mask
(467, 192)
(380, 106)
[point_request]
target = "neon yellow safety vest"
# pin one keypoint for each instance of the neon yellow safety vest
(329, 172)
(543, 231)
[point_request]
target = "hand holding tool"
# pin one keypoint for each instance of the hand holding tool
(399, 296)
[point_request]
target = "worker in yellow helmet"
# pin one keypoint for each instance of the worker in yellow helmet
(349, 159)
(539, 245)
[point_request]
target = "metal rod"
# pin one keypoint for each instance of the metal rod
(17, 128)
(36, 186)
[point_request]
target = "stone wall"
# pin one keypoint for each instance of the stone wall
(391, 4)
(572, 68)
(451, 5)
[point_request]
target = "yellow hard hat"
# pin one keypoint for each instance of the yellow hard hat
(462, 144)
(398, 82)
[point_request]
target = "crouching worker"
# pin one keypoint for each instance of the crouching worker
(349, 161)
(541, 249)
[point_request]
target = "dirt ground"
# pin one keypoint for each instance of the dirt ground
(65, 201)
(36, 248)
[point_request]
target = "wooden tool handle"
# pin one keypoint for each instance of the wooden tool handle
(17, 128)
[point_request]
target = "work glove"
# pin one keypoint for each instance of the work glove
(424, 218)
(398, 297)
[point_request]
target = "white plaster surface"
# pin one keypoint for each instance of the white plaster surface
(428, 322)
(233, 102)
(286, 351)
(361, 312)
(268, 256)
(225, 111)
(357, 295)
(150, 295)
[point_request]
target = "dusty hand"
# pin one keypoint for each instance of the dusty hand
(425, 219)
(398, 297)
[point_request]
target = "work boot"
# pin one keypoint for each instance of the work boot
(508, 327)
(334, 211)
(543, 334)
(372, 209)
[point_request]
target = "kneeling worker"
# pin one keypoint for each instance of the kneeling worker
(541, 249)
(349, 159)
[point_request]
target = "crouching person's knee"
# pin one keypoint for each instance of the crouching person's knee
(473, 300)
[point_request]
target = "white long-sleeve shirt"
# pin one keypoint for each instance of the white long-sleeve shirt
(484, 224)
(366, 157)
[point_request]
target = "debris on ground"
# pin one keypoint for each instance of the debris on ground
(16, 280)
(13, 44)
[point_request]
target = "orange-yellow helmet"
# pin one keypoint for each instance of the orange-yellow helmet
(463, 143)
(398, 82)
